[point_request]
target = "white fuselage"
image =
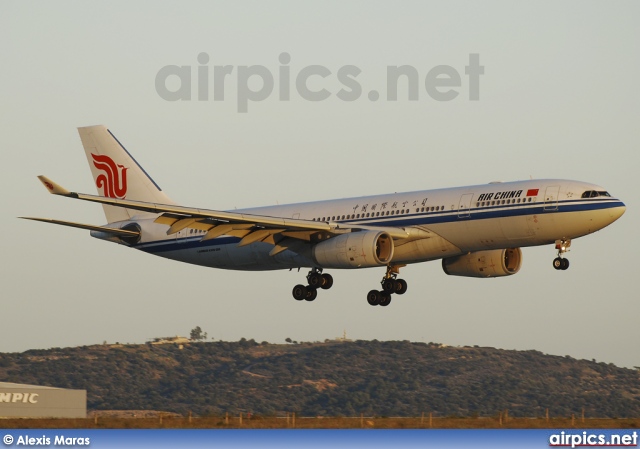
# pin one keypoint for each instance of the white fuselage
(442, 223)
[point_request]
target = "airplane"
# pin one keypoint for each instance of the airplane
(476, 231)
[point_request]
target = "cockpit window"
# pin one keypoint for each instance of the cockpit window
(594, 194)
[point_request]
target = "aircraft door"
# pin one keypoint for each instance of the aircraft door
(551, 198)
(464, 207)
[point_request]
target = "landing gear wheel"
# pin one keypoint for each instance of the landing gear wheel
(327, 281)
(385, 299)
(315, 280)
(389, 285)
(312, 294)
(562, 245)
(558, 263)
(300, 292)
(373, 297)
(401, 287)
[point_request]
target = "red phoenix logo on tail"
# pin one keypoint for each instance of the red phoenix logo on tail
(114, 179)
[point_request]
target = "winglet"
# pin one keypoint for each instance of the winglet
(52, 187)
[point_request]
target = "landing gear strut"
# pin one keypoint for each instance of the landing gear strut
(390, 285)
(315, 279)
(560, 263)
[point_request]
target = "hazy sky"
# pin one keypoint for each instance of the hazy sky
(558, 99)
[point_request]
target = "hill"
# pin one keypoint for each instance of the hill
(331, 379)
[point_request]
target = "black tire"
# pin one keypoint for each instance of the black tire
(373, 297)
(401, 286)
(389, 285)
(312, 294)
(299, 292)
(557, 263)
(385, 299)
(315, 280)
(327, 281)
(565, 264)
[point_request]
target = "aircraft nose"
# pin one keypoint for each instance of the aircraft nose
(618, 211)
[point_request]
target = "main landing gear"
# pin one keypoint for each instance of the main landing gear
(390, 285)
(560, 263)
(316, 280)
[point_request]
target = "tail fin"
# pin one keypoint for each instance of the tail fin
(116, 173)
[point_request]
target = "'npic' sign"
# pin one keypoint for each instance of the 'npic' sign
(27, 398)
(34, 401)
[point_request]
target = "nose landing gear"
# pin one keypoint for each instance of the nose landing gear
(390, 285)
(315, 279)
(560, 263)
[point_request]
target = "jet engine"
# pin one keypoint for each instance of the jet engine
(358, 249)
(484, 264)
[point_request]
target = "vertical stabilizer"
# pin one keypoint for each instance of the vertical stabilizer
(116, 173)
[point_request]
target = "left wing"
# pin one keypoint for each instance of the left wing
(106, 229)
(250, 228)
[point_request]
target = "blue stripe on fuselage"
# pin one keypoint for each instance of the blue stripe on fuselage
(415, 219)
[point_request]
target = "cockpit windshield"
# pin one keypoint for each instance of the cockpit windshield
(594, 194)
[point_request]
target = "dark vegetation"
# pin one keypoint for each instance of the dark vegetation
(331, 379)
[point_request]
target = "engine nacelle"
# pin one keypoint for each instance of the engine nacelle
(484, 264)
(359, 249)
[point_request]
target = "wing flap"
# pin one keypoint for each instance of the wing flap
(225, 229)
(258, 236)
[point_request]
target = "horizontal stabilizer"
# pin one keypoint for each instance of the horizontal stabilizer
(114, 231)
